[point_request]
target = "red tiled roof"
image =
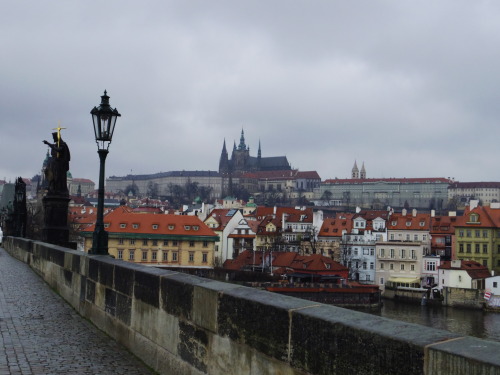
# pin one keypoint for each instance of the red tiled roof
(488, 217)
(335, 227)
(315, 263)
(409, 222)
(310, 175)
(275, 175)
(398, 180)
(474, 269)
(122, 221)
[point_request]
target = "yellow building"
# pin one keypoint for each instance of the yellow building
(477, 236)
(157, 239)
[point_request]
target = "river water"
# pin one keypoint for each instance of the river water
(477, 323)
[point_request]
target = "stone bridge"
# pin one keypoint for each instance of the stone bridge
(182, 324)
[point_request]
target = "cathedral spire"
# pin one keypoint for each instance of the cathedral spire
(259, 153)
(224, 159)
(362, 174)
(242, 145)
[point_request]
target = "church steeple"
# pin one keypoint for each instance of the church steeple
(362, 174)
(242, 145)
(259, 153)
(355, 171)
(224, 159)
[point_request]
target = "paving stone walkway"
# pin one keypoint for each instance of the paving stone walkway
(41, 334)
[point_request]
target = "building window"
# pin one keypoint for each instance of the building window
(403, 253)
(381, 281)
(132, 241)
(478, 233)
(476, 248)
(485, 262)
(391, 266)
(205, 243)
(171, 227)
(485, 234)
(469, 233)
(154, 255)
(187, 227)
(382, 253)
(120, 241)
(191, 256)
(381, 266)
(204, 258)
(469, 247)
(165, 256)
(459, 278)
(391, 253)
(460, 233)
(372, 265)
(412, 267)
(196, 227)
(120, 254)
(495, 284)
(174, 256)
(461, 248)
(402, 267)
(131, 255)
(485, 248)
(191, 243)
(415, 237)
(123, 225)
(135, 226)
(175, 243)
(165, 242)
(413, 254)
(155, 242)
(155, 226)
(145, 242)
(364, 265)
(144, 255)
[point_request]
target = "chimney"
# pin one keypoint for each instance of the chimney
(414, 212)
(456, 263)
(433, 213)
(404, 212)
(452, 213)
(473, 203)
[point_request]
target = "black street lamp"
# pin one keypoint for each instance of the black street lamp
(104, 118)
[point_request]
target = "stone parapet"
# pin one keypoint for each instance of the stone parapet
(182, 324)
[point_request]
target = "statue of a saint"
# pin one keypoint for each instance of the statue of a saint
(58, 165)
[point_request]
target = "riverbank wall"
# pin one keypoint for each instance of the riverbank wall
(182, 324)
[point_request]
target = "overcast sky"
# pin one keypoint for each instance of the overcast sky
(409, 88)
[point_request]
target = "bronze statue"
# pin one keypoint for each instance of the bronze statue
(58, 165)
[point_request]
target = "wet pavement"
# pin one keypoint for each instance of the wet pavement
(41, 334)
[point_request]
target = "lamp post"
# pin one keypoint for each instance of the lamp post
(104, 119)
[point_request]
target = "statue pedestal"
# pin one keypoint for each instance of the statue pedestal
(55, 219)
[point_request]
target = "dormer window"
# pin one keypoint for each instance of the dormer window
(155, 226)
(135, 226)
(106, 225)
(171, 227)
(327, 266)
(196, 227)
(394, 223)
(408, 223)
(422, 223)
(122, 225)
(187, 227)
(473, 218)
